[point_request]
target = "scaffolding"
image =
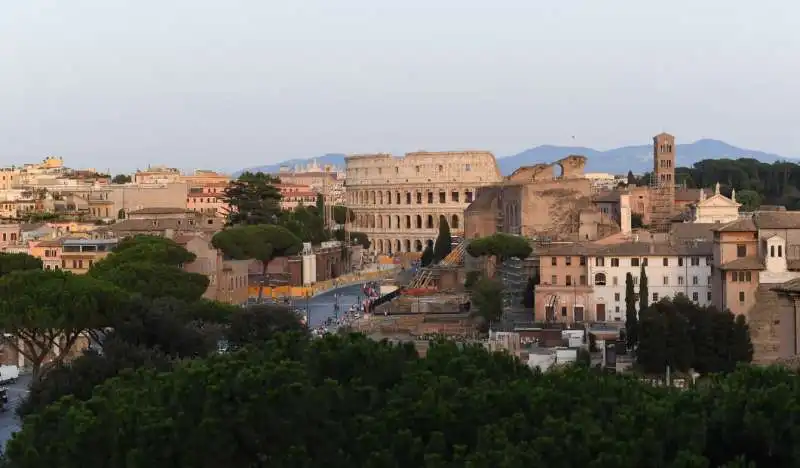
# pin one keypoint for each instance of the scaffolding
(427, 274)
(662, 204)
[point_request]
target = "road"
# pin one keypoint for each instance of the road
(321, 308)
(9, 423)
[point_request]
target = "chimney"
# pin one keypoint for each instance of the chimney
(625, 213)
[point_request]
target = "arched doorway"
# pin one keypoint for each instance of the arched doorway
(407, 246)
(417, 245)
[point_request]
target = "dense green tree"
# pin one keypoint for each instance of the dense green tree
(154, 249)
(259, 323)
(346, 401)
(320, 205)
(487, 302)
(631, 320)
(427, 255)
(444, 241)
(680, 334)
(644, 293)
(253, 199)
(10, 262)
(306, 223)
(529, 296)
(501, 245)
(471, 279)
(343, 214)
(258, 242)
(750, 200)
(46, 310)
(121, 179)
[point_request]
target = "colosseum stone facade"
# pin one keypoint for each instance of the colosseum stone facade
(399, 201)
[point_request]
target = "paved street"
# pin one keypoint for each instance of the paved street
(8, 418)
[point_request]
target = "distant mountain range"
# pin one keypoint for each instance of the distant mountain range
(618, 160)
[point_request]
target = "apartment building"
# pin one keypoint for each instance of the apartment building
(78, 255)
(586, 282)
(48, 251)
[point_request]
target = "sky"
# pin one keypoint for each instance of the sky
(118, 84)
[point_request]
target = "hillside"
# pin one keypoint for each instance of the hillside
(617, 160)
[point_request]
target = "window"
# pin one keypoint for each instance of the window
(569, 280)
(772, 251)
(583, 280)
(568, 261)
(564, 311)
(708, 296)
(780, 251)
(695, 297)
(417, 169)
(665, 262)
(419, 198)
(695, 261)
(709, 261)
(600, 279)
(635, 280)
(583, 261)
(468, 167)
(634, 262)
(553, 261)
(708, 279)
(666, 281)
(680, 261)
(644, 261)
(741, 296)
(616, 309)
(615, 281)
(695, 281)
(554, 280)
(600, 261)
(442, 197)
(454, 197)
(655, 297)
(680, 281)
(614, 262)
(616, 297)
(741, 250)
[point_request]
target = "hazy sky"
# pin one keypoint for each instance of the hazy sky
(226, 84)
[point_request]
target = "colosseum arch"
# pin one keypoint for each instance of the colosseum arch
(442, 218)
(396, 222)
(454, 222)
(418, 224)
(380, 222)
(429, 222)
(380, 198)
(388, 197)
(408, 221)
(417, 245)
(407, 245)
(397, 246)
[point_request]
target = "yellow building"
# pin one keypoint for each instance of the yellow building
(78, 255)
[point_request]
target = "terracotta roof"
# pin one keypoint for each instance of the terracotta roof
(609, 196)
(745, 263)
(777, 219)
(159, 211)
(791, 286)
(740, 225)
(692, 194)
(692, 231)
(631, 249)
(50, 243)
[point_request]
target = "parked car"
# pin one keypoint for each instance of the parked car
(9, 374)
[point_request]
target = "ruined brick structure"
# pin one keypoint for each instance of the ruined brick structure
(551, 200)
(398, 202)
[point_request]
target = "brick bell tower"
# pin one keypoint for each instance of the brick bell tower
(662, 184)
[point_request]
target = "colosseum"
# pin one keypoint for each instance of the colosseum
(398, 202)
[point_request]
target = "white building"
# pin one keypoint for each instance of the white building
(670, 269)
(715, 209)
(602, 181)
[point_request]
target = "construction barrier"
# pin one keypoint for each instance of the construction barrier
(323, 286)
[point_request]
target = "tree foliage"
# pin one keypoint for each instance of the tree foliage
(46, 310)
(501, 245)
(644, 293)
(121, 179)
(487, 302)
(258, 242)
(305, 222)
(343, 214)
(151, 266)
(260, 323)
(427, 255)
(682, 335)
(444, 241)
(631, 319)
(253, 199)
(10, 262)
(346, 401)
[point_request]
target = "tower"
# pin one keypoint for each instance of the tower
(662, 182)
